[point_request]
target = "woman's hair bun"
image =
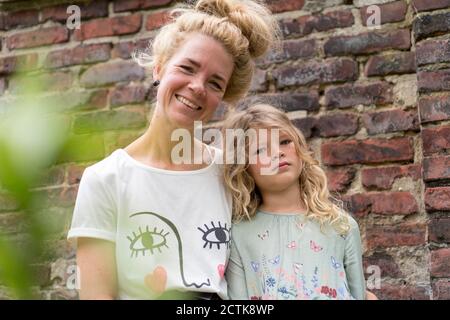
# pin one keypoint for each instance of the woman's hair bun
(255, 21)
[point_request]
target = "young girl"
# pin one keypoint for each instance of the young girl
(290, 241)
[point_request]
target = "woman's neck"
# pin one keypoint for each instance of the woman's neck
(282, 201)
(155, 147)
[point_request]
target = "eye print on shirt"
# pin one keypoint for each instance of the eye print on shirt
(216, 235)
(147, 241)
(154, 239)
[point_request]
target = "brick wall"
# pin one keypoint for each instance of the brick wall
(374, 104)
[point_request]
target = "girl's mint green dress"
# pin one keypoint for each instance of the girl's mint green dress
(285, 256)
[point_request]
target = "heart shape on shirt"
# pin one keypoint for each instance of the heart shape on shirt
(157, 280)
(221, 270)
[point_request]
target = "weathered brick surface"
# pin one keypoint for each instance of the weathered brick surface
(384, 177)
(18, 19)
(441, 289)
(405, 234)
(390, 12)
(390, 121)
(437, 199)
(157, 20)
(126, 5)
(120, 25)
(287, 5)
(434, 108)
(287, 101)
(440, 263)
(433, 51)
(438, 230)
(353, 94)
(127, 95)
(424, 5)
(436, 139)
(36, 38)
(387, 264)
(395, 63)
(401, 292)
(431, 25)
(367, 151)
(432, 81)
(313, 72)
(88, 10)
(83, 54)
(436, 168)
(107, 73)
(290, 50)
(383, 203)
(367, 43)
(340, 179)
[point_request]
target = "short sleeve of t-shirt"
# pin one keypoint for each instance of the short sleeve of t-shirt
(94, 215)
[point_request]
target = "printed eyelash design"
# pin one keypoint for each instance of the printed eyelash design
(149, 240)
(180, 248)
(216, 235)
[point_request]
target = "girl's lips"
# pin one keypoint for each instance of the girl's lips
(283, 164)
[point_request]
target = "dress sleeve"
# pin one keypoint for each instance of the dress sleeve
(353, 262)
(94, 215)
(235, 276)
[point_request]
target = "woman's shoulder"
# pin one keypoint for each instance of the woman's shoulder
(105, 169)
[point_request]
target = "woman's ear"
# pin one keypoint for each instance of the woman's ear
(156, 71)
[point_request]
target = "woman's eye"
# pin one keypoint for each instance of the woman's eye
(187, 68)
(286, 141)
(216, 86)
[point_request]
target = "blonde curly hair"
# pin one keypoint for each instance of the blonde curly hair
(246, 29)
(319, 204)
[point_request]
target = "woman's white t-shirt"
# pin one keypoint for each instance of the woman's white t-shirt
(173, 222)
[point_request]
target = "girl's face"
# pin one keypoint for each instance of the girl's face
(193, 81)
(278, 165)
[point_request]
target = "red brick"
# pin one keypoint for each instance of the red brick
(394, 63)
(348, 95)
(37, 38)
(291, 50)
(127, 95)
(433, 51)
(24, 62)
(430, 81)
(111, 72)
(340, 179)
(305, 125)
(441, 289)
(74, 173)
(383, 178)
(305, 25)
(289, 101)
(109, 120)
(24, 18)
(390, 12)
(436, 168)
(438, 229)
(339, 124)
(382, 203)
(259, 81)
(105, 27)
(440, 263)
(157, 20)
(424, 5)
(387, 236)
(431, 25)
(125, 49)
(126, 5)
(435, 139)
(79, 55)
(401, 292)
(313, 72)
(367, 43)
(91, 9)
(434, 108)
(367, 151)
(437, 199)
(277, 6)
(386, 263)
(391, 121)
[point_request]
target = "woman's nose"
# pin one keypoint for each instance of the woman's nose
(197, 87)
